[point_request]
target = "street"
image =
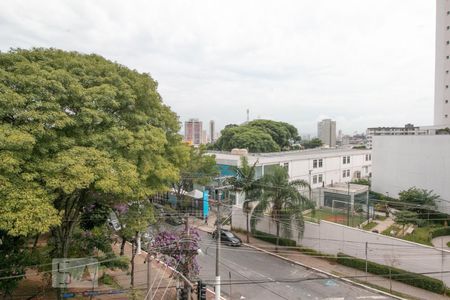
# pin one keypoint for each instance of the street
(246, 265)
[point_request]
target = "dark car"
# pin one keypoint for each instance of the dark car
(228, 238)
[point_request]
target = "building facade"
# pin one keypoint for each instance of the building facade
(212, 130)
(319, 167)
(442, 64)
(326, 132)
(408, 129)
(402, 162)
(193, 131)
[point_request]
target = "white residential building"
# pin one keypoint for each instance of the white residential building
(442, 64)
(319, 167)
(423, 161)
(326, 132)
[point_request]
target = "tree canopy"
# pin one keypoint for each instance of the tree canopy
(314, 143)
(77, 130)
(258, 136)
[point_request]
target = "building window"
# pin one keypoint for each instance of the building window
(446, 71)
(448, 12)
(320, 178)
(448, 42)
(344, 160)
(315, 163)
(344, 174)
(370, 156)
(348, 173)
(367, 157)
(446, 116)
(448, 27)
(446, 86)
(348, 159)
(447, 57)
(320, 163)
(315, 179)
(446, 101)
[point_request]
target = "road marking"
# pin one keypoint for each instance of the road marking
(371, 297)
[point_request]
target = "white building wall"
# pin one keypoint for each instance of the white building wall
(401, 162)
(331, 238)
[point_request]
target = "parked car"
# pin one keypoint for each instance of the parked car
(228, 238)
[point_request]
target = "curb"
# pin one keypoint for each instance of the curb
(326, 273)
(321, 271)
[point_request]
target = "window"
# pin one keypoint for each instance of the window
(448, 27)
(370, 156)
(448, 12)
(367, 157)
(446, 71)
(448, 42)
(344, 160)
(446, 116)
(320, 163)
(447, 57)
(446, 101)
(315, 163)
(348, 159)
(348, 173)
(320, 178)
(446, 86)
(314, 179)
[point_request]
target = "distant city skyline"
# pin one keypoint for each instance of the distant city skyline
(363, 64)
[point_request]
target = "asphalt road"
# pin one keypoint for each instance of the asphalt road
(246, 265)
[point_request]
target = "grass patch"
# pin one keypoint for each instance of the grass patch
(421, 235)
(107, 279)
(381, 218)
(336, 216)
(370, 225)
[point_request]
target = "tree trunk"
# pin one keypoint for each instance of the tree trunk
(36, 240)
(278, 236)
(248, 233)
(133, 255)
(122, 246)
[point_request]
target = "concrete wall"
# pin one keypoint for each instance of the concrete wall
(332, 238)
(401, 162)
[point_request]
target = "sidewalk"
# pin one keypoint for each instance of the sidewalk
(384, 284)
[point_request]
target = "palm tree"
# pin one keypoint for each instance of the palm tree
(284, 201)
(245, 181)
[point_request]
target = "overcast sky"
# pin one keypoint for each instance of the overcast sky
(361, 62)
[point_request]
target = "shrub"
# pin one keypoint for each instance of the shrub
(440, 232)
(273, 239)
(413, 279)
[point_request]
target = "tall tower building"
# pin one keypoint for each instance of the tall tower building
(326, 132)
(442, 64)
(193, 130)
(212, 130)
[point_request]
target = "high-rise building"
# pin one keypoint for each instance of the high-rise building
(326, 132)
(193, 130)
(442, 64)
(212, 130)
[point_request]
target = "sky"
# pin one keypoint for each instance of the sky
(363, 63)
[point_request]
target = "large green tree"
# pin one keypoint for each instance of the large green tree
(283, 201)
(258, 136)
(420, 198)
(196, 168)
(78, 130)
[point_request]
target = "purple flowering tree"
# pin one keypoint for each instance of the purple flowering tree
(179, 250)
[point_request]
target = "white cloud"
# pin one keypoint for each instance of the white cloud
(363, 63)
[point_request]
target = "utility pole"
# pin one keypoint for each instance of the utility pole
(149, 268)
(367, 246)
(218, 237)
(348, 204)
(188, 256)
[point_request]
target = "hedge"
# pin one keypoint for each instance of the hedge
(440, 232)
(273, 239)
(417, 280)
